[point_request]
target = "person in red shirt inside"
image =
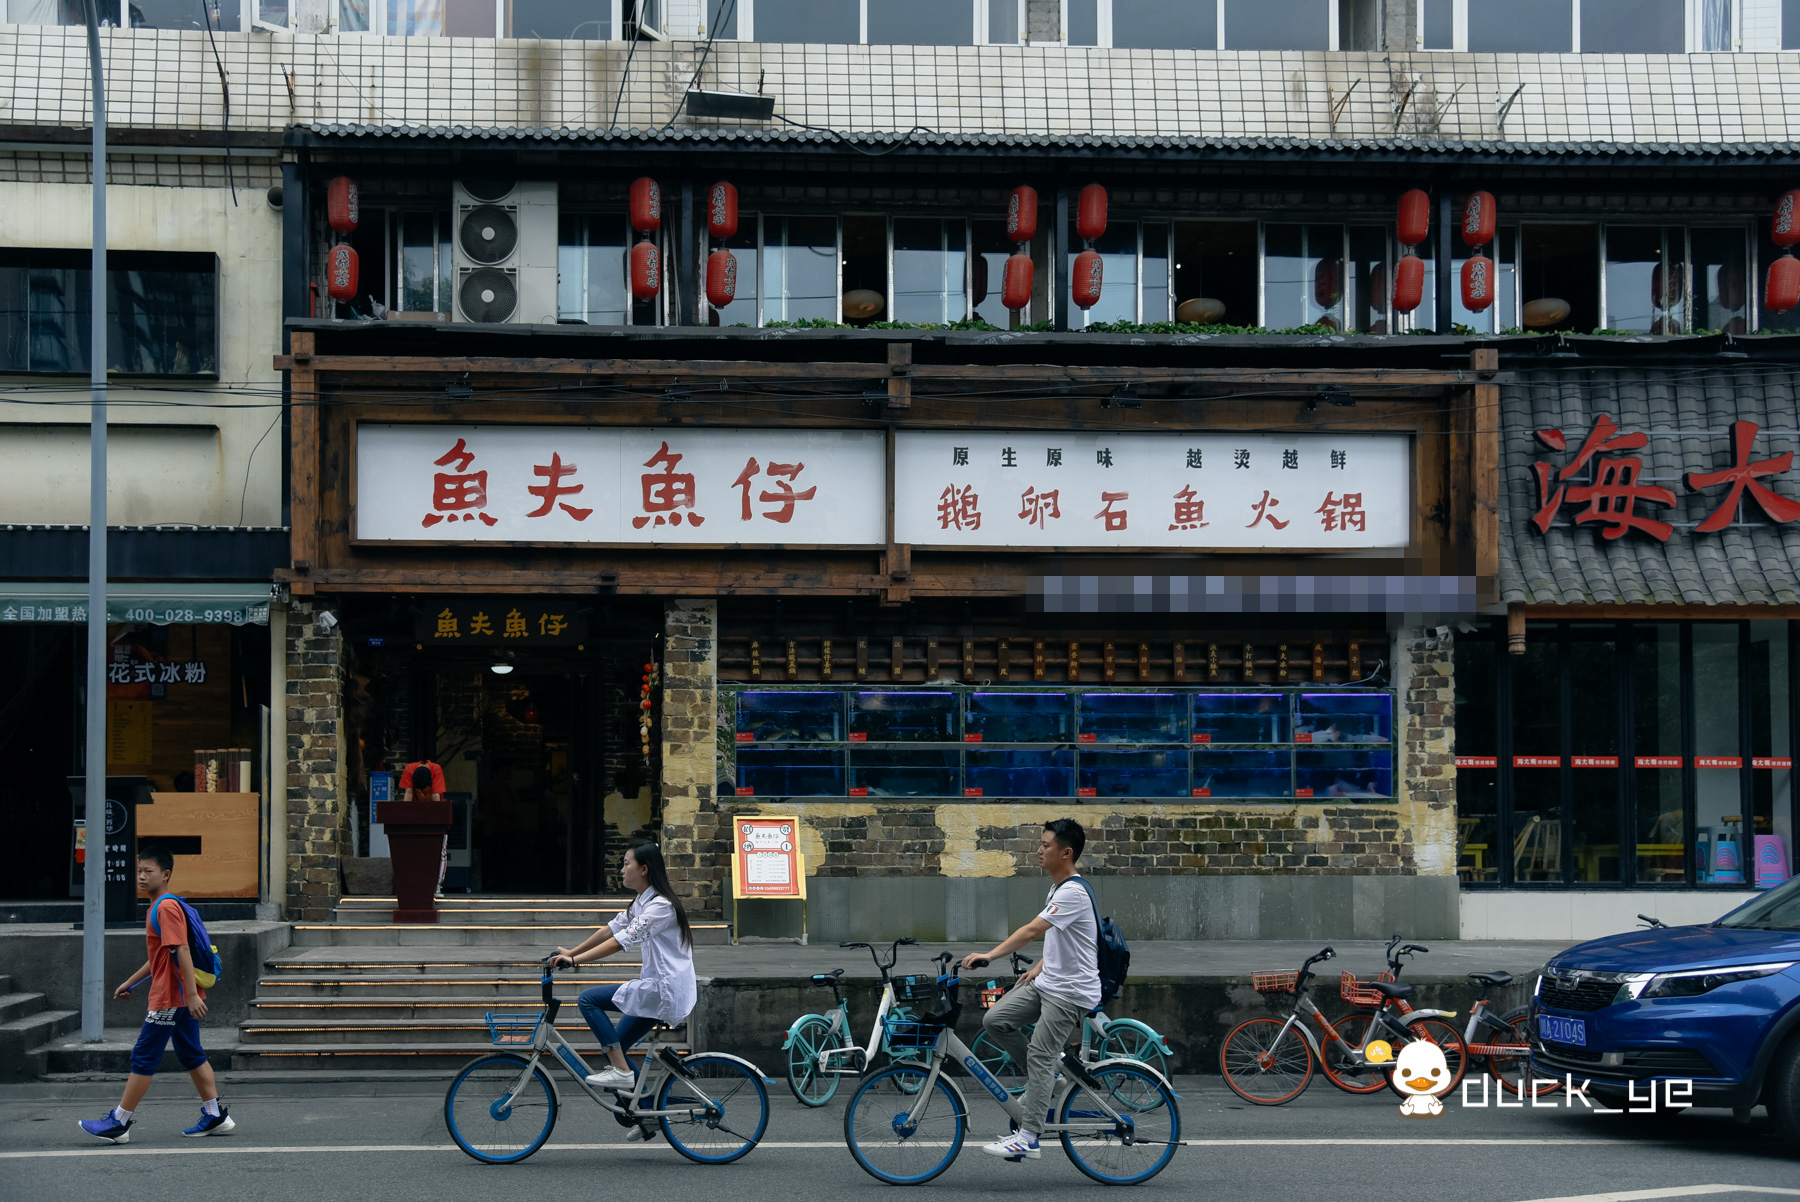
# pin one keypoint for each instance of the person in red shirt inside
(423, 780)
(177, 1004)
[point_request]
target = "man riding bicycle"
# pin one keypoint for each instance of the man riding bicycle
(1056, 992)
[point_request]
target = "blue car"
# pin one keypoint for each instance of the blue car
(1715, 1005)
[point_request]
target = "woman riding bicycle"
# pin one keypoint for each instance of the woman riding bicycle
(656, 924)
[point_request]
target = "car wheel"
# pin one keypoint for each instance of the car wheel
(1783, 1093)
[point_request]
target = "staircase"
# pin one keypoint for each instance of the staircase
(361, 993)
(26, 1026)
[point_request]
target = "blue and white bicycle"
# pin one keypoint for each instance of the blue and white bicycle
(1118, 1119)
(712, 1107)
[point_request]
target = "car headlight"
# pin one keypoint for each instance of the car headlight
(1644, 986)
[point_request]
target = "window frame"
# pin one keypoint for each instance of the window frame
(1103, 22)
(978, 25)
(80, 260)
(1691, 29)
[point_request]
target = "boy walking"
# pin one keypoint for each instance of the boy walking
(176, 1007)
(1057, 991)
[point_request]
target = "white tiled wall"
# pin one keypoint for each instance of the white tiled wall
(1578, 915)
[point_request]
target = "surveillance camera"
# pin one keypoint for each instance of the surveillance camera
(327, 620)
(1441, 632)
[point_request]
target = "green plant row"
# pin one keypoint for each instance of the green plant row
(1169, 327)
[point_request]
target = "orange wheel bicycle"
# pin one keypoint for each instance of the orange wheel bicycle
(1266, 1063)
(1343, 1071)
(1449, 1041)
(1514, 1071)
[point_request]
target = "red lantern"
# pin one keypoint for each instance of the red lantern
(721, 278)
(1479, 217)
(343, 204)
(341, 273)
(1784, 285)
(646, 271)
(1328, 282)
(646, 205)
(1409, 283)
(1477, 283)
(1015, 282)
(1785, 230)
(1090, 213)
(1414, 218)
(1021, 214)
(721, 211)
(1085, 284)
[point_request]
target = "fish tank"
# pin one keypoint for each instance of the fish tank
(1133, 718)
(882, 772)
(790, 772)
(1343, 718)
(1343, 773)
(790, 716)
(997, 717)
(1243, 774)
(1018, 772)
(1241, 718)
(909, 716)
(1133, 774)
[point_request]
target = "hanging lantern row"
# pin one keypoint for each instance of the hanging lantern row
(1021, 228)
(343, 209)
(646, 218)
(341, 273)
(1783, 289)
(1480, 220)
(721, 265)
(1412, 223)
(1090, 225)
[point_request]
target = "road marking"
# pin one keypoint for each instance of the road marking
(235, 1148)
(1685, 1191)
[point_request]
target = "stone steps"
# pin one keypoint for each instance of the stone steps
(545, 935)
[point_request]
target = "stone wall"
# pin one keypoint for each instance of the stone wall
(1425, 747)
(694, 843)
(316, 833)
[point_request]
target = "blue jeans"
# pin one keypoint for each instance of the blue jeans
(631, 1028)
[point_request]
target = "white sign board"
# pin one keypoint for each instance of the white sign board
(606, 485)
(1179, 491)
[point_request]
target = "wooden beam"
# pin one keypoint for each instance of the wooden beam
(303, 429)
(1485, 468)
(1647, 613)
(899, 385)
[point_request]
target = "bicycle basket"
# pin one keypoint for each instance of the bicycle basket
(1274, 982)
(1357, 993)
(908, 1033)
(991, 995)
(513, 1028)
(915, 989)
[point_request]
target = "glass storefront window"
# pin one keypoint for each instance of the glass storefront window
(1241, 718)
(1718, 274)
(1303, 276)
(787, 715)
(1153, 302)
(425, 261)
(903, 717)
(800, 268)
(1132, 718)
(1477, 761)
(1769, 836)
(929, 256)
(1368, 299)
(590, 269)
(1592, 664)
(1661, 819)
(1021, 717)
(1646, 276)
(1718, 759)
(1537, 710)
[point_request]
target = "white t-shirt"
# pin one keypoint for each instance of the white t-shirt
(1071, 945)
(665, 988)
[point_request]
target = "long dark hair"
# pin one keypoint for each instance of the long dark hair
(649, 857)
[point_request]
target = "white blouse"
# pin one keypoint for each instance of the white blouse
(664, 989)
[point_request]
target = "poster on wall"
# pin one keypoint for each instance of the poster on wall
(765, 858)
(423, 483)
(1323, 492)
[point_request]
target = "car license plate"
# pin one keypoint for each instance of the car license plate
(1554, 1029)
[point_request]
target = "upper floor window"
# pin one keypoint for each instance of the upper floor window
(1608, 26)
(869, 22)
(1224, 24)
(162, 311)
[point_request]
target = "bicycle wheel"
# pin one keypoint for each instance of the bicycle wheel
(481, 1121)
(896, 1135)
(1125, 1040)
(1133, 1147)
(904, 1056)
(1514, 1071)
(1449, 1041)
(1343, 1070)
(725, 1109)
(1263, 1065)
(996, 1060)
(809, 1084)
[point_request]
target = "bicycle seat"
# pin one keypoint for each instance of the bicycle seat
(1393, 991)
(820, 978)
(1499, 980)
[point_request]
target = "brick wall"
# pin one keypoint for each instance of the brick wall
(315, 772)
(1425, 746)
(692, 839)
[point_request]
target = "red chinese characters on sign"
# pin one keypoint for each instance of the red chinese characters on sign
(1613, 496)
(1190, 510)
(1742, 476)
(1343, 513)
(550, 492)
(1035, 506)
(667, 492)
(1262, 508)
(959, 507)
(784, 498)
(1114, 518)
(459, 494)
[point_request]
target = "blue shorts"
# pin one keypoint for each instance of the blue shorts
(160, 1026)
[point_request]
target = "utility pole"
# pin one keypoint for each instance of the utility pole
(93, 900)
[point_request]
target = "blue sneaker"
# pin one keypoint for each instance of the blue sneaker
(108, 1128)
(211, 1124)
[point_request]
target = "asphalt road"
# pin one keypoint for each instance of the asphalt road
(386, 1140)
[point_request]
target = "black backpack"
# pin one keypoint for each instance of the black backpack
(1112, 953)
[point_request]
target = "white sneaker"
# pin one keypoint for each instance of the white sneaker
(612, 1078)
(641, 1132)
(1022, 1146)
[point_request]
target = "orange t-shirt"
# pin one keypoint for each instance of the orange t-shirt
(166, 990)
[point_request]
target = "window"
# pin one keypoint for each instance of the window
(592, 272)
(1437, 24)
(1216, 272)
(930, 256)
(1790, 24)
(1303, 276)
(800, 269)
(744, 246)
(574, 20)
(1157, 24)
(874, 22)
(1625, 754)
(1118, 249)
(1502, 314)
(1224, 24)
(1633, 26)
(987, 272)
(162, 310)
(1604, 26)
(1559, 277)
(1646, 277)
(1278, 25)
(424, 263)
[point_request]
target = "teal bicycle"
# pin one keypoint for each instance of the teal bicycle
(818, 1046)
(1102, 1038)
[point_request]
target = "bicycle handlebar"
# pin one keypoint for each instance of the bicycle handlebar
(893, 954)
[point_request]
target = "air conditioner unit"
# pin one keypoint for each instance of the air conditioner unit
(504, 251)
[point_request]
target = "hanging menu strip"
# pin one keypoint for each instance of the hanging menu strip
(1658, 761)
(1537, 761)
(1477, 761)
(1718, 761)
(1772, 761)
(1594, 761)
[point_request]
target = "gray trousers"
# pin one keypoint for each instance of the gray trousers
(1056, 1018)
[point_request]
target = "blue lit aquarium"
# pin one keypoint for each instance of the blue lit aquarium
(1133, 774)
(1243, 774)
(1133, 718)
(790, 716)
(1241, 718)
(904, 716)
(1004, 717)
(1343, 718)
(1020, 773)
(882, 772)
(791, 771)
(1343, 773)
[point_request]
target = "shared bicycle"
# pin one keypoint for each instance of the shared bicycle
(712, 1107)
(1117, 1120)
(819, 1048)
(1102, 1038)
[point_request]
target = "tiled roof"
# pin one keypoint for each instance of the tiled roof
(1688, 415)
